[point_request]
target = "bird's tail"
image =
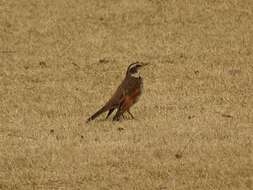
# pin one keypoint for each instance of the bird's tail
(102, 110)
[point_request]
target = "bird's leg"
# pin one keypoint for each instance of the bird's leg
(125, 105)
(119, 113)
(128, 111)
(109, 113)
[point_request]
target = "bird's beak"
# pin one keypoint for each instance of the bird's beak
(144, 64)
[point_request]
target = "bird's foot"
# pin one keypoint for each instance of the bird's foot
(116, 118)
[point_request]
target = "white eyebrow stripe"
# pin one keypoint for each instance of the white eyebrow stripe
(134, 65)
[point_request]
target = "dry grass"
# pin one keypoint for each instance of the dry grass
(61, 60)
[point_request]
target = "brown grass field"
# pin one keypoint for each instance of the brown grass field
(61, 60)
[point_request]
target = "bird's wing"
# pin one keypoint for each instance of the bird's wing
(115, 100)
(124, 89)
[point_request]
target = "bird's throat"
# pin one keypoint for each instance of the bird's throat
(136, 75)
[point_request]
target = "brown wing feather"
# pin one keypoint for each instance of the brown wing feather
(131, 96)
(127, 87)
(113, 102)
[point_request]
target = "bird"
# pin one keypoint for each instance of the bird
(125, 96)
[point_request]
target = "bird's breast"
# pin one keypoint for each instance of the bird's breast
(138, 90)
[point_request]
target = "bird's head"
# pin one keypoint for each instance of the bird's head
(133, 69)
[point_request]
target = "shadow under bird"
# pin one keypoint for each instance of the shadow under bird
(126, 95)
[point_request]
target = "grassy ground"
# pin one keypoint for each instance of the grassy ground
(61, 60)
